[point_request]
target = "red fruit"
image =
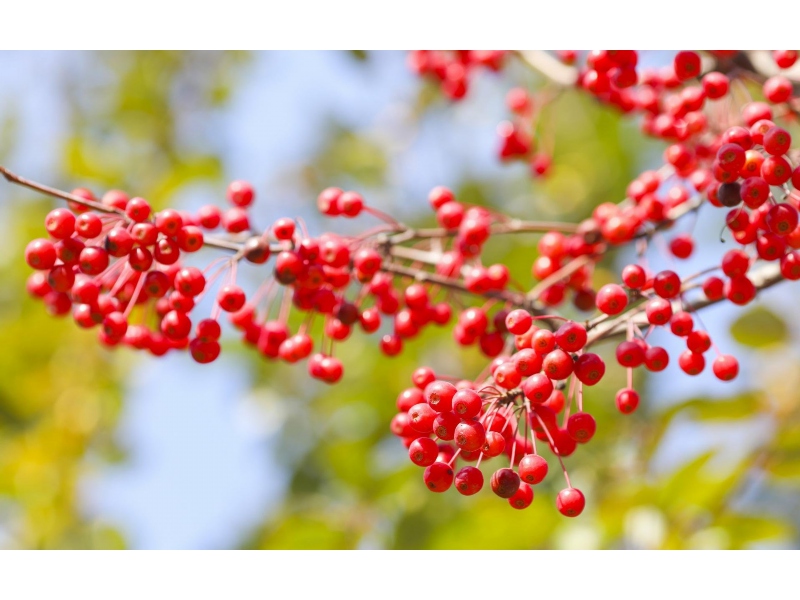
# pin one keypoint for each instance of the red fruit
(537, 388)
(60, 223)
(581, 427)
(698, 341)
(522, 498)
(505, 483)
(527, 362)
(240, 193)
(634, 276)
(440, 196)
(571, 336)
(470, 435)
(570, 502)
(518, 321)
(421, 417)
(725, 367)
(611, 299)
(439, 395)
(691, 363)
(438, 477)
(40, 254)
(667, 284)
(423, 451)
(557, 365)
(659, 311)
(627, 400)
(782, 219)
(231, 298)
(630, 354)
(469, 481)
(656, 359)
(532, 468)
(589, 368)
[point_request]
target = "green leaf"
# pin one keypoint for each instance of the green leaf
(759, 327)
(715, 409)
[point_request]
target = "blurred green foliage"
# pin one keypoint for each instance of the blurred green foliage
(350, 482)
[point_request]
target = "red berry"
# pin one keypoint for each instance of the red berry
(505, 483)
(40, 254)
(438, 477)
(423, 451)
(469, 481)
(725, 367)
(581, 427)
(570, 502)
(522, 498)
(691, 363)
(611, 299)
(589, 368)
(240, 193)
(532, 468)
(627, 400)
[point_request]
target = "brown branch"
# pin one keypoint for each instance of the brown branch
(549, 66)
(14, 178)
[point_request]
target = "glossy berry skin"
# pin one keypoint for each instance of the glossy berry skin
(581, 427)
(469, 481)
(439, 395)
(522, 498)
(571, 336)
(725, 367)
(438, 477)
(240, 193)
(40, 254)
(667, 284)
(466, 404)
(627, 400)
(691, 363)
(537, 388)
(532, 469)
(505, 483)
(423, 451)
(634, 276)
(589, 368)
(570, 502)
(611, 299)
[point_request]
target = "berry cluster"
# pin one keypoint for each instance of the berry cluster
(504, 413)
(118, 266)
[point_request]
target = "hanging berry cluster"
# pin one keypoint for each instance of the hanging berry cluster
(118, 267)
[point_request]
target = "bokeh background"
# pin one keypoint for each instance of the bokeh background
(111, 449)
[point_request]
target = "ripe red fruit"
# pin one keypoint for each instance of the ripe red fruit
(40, 254)
(691, 363)
(60, 223)
(532, 468)
(466, 404)
(518, 321)
(469, 481)
(570, 502)
(522, 498)
(667, 284)
(571, 336)
(725, 367)
(627, 400)
(438, 477)
(537, 388)
(505, 483)
(439, 395)
(634, 276)
(240, 193)
(470, 435)
(589, 368)
(611, 299)
(423, 451)
(581, 427)
(658, 311)
(656, 359)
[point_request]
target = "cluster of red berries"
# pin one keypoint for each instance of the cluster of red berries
(504, 414)
(452, 69)
(117, 266)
